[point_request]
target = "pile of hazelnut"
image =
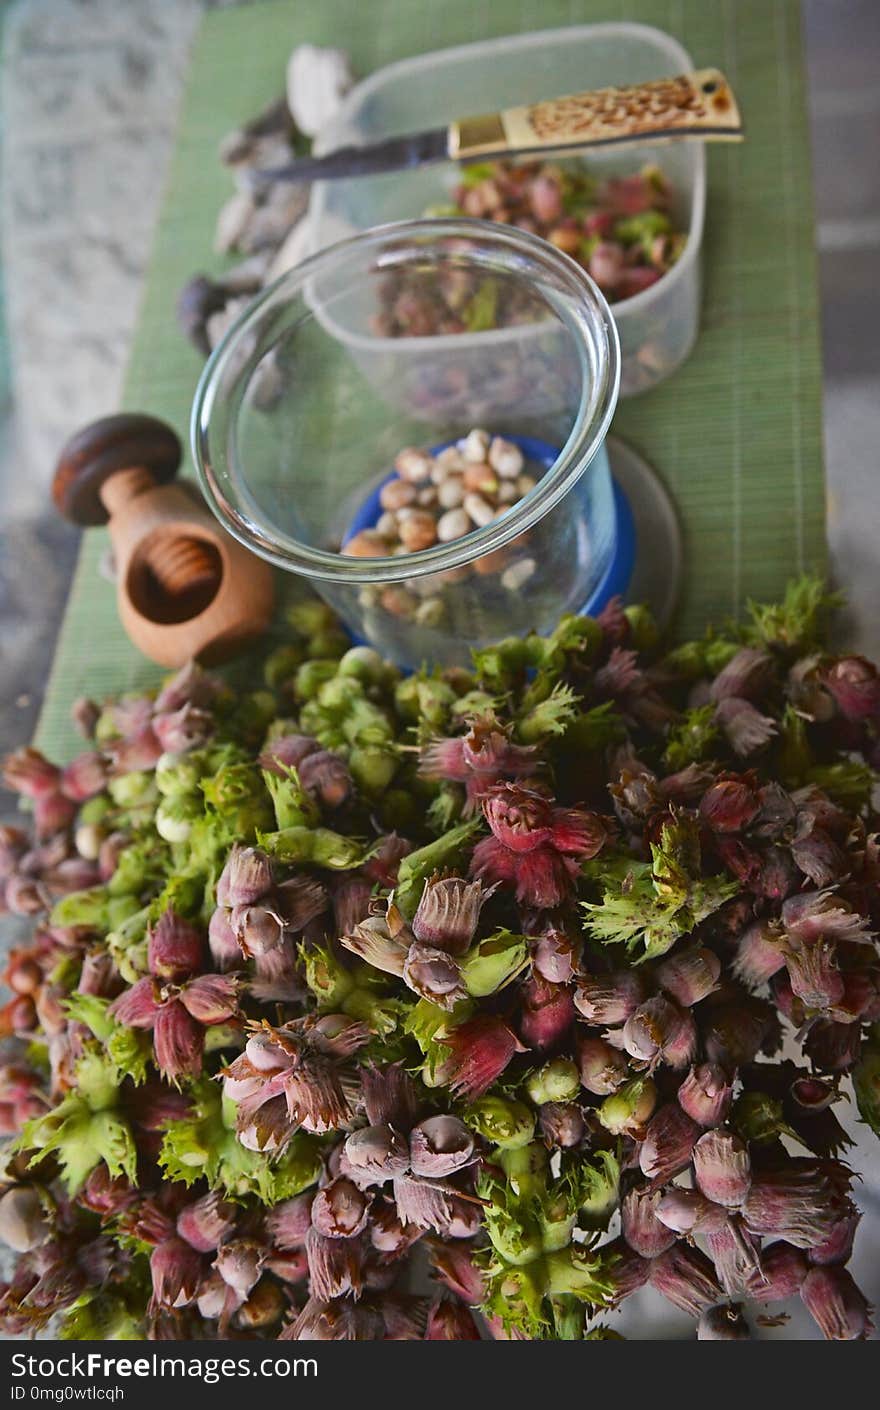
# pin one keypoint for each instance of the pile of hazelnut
(435, 499)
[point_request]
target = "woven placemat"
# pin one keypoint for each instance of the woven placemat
(735, 434)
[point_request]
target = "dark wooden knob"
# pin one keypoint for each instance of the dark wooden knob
(125, 442)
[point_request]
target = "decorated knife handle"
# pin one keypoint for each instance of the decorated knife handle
(697, 104)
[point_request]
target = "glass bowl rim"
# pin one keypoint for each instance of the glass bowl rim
(594, 319)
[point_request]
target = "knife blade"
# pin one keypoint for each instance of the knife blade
(698, 105)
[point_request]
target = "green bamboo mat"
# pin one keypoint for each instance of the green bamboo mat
(736, 433)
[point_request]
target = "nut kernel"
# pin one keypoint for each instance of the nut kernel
(506, 458)
(413, 465)
(418, 530)
(479, 509)
(492, 562)
(518, 574)
(475, 445)
(396, 494)
(453, 525)
(565, 239)
(431, 612)
(369, 543)
(451, 493)
(398, 601)
(480, 479)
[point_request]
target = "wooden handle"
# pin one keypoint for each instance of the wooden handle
(697, 104)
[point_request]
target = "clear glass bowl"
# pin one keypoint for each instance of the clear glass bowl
(302, 409)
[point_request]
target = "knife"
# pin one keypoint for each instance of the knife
(696, 105)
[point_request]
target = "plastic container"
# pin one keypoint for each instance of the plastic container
(657, 328)
(293, 430)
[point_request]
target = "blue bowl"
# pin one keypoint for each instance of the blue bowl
(620, 569)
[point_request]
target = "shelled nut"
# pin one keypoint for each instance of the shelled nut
(436, 499)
